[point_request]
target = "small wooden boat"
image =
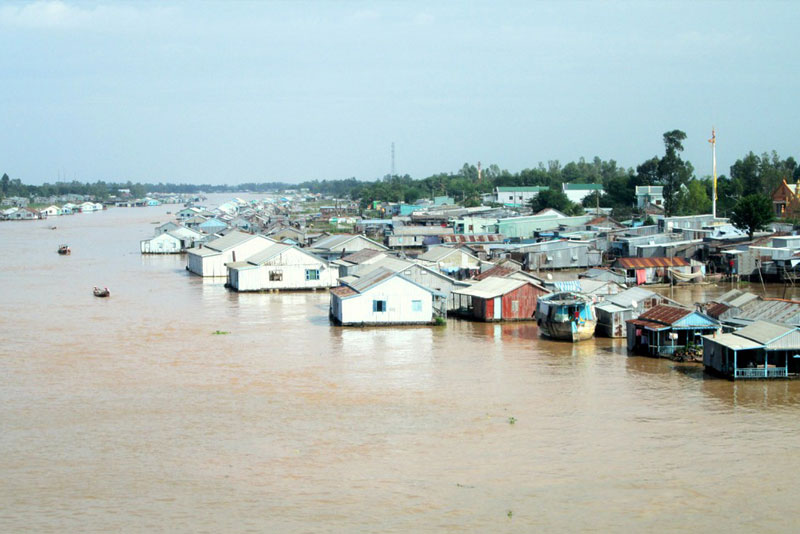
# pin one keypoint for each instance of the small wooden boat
(101, 292)
(64, 250)
(569, 316)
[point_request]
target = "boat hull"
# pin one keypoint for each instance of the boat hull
(568, 331)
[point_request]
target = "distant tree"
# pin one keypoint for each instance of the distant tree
(554, 198)
(4, 181)
(696, 199)
(647, 172)
(753, 213)
(673, 172)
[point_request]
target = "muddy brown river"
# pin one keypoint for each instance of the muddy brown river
(129, 414)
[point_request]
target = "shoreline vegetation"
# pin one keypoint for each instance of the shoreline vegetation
(684, 192)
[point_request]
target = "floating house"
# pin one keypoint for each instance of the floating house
(664, 329)
(339, 245)
(450, 259)
(383, 297)
(209, 259)
(615, 310)
(652, 270)
(164, 243)
(760, 350)
(281, 266)
(499, 299)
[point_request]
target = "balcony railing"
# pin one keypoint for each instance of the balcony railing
(754, 372)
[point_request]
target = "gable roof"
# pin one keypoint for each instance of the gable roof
(492, 287)
(233, 239)
(361, 256)
(340, 240)
(439, 253)
(677, 317)
(764, 332)
(373, 279)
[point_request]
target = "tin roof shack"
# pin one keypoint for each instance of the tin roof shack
(414, 237)
(350, 264)
(557, 254)
(603, 274)
(663, 329)
(651, 270)
(761, 350)
(599, 290)
(281, 266)
(339, 245)
(629, 304)
(525, 227)
(499, 299)
(210, 259)
(670, 224)
(736, 308)
(383, 298)
(454, 261)
(421, 274)
(164, 243)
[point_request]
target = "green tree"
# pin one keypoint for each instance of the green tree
(696, 200)
(556, 199)
(673, 172)
(752, 213)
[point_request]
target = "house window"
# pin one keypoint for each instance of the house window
(312, 274)
(379, 305)
(515, 306)
(276, 276)
(416, 305)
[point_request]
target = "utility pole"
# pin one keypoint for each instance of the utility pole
(713, 142)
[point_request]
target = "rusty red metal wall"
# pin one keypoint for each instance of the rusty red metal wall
(526, 296)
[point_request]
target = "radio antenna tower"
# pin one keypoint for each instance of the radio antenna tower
(393, 168)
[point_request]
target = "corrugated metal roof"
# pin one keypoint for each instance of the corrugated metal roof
(646, 263)
(232, 239)
(665, 314)
(741, 300)
(647, 324)
(391, 263)
(734, 342)
(764, 332)
(775, 310)
(473, 238)
(498, 271)
(362, 255)
(610, 307)
(629, 296)
(790, 341)
(268, 253)
(716, 309)
(491, 287)
(375, 277)
(343, 291)
(439, 253)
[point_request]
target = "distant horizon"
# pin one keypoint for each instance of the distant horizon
(233, 92)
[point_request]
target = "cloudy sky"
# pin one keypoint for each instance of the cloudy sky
(233, 92)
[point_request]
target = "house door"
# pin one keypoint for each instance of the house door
(498, 308)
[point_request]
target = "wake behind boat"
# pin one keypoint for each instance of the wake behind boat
(568, 315)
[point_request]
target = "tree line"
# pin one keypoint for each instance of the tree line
(684, 192)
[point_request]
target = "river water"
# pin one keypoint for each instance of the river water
(129, 414)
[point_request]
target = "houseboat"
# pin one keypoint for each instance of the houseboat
(568, 315)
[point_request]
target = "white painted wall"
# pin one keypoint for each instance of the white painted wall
(398, 294)
(293, 265)
(214, 265)
(161, 244)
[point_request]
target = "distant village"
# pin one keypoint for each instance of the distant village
(575, 276)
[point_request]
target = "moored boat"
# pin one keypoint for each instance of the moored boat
(567, 315)
(64, 250)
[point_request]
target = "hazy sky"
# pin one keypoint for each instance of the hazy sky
(234, 92)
